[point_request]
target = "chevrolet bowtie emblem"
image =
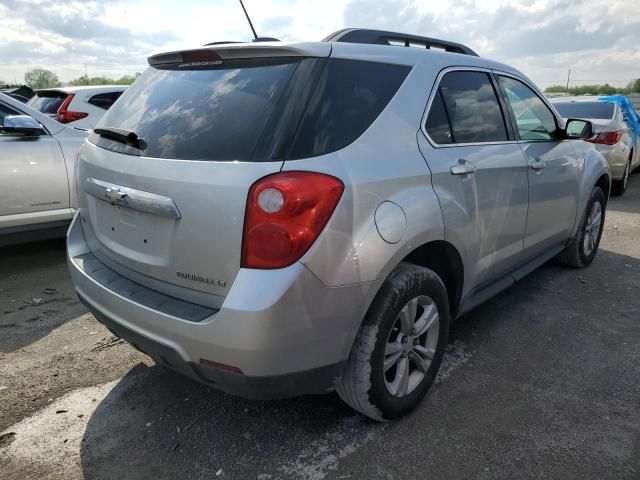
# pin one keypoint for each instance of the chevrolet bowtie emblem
(114, 195)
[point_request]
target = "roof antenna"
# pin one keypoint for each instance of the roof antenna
(255, 35)
(256, 38)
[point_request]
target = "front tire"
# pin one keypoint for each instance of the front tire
(584, 245)
(399, 348)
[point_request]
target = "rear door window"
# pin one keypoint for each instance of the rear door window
(472, 109)
(104, 100)
(47, 101)
(349, 96)
(534, 119)
(438, 125)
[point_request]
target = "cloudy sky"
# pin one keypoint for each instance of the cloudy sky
(598, 39)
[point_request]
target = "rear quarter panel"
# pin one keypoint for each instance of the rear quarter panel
(384, 164)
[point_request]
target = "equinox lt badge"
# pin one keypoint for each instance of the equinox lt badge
(201, 279)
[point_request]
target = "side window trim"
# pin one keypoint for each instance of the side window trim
(436, 91)
(514, 125)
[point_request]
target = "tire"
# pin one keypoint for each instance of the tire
(364, 383)
(578, 254)
(618, 187)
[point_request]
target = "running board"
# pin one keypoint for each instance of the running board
(489, 291)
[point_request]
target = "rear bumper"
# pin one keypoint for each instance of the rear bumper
(283, 329)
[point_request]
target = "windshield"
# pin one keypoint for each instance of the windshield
(595, 110)
(206, 114)
(47, 102)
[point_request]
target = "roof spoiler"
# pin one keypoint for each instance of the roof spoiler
(381, 37)
(216, 54)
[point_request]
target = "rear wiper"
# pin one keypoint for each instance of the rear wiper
(122, 136)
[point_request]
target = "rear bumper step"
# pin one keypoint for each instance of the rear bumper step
(135, 292)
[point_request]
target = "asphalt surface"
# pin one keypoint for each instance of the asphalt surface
(541, 382)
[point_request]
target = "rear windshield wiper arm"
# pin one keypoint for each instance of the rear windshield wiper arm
(123, 136)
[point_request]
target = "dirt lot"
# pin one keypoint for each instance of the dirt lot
(541, 382)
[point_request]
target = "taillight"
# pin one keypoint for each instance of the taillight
(606, 138)
(66, 116)
(285, 214)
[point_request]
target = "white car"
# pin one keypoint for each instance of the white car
(37, 164)
(80, 107)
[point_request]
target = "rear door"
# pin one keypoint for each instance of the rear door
(33, 175)
(478, 173)
(554, 173)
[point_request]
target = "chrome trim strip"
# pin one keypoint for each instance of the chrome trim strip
(131, 198)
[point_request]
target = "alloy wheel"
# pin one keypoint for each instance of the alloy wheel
(411, 346)
(592, 229)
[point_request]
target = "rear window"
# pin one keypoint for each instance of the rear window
(595, 110)
(230, 112)
(208, 114)
(47, 102)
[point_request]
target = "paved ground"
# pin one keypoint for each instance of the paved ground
(541, 382)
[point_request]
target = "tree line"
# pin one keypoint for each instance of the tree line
(602, 89)
(43, 78)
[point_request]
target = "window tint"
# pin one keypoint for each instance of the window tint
(47, 102)
(595, 110)
(104, 100)
(5, 111)
(535, 120)
(348, 98)
(473, 108)
(437, 125)
(200, 113)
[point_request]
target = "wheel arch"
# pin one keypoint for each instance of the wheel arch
(445, 260)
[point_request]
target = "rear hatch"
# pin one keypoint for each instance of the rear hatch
(163, 179)
(165, 175)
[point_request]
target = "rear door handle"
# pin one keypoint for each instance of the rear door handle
(463, 168)
(537, 164)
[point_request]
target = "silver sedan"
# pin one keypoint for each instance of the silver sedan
(612, 135)
(37, 157)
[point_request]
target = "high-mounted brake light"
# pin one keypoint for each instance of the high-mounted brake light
(285, 214)
(606, 138)
(66, 116)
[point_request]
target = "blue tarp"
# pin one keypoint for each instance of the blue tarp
(629, 111)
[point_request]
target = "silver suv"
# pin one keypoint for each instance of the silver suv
(285, 219)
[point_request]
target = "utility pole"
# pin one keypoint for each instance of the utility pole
(86, 74)
(568, 77)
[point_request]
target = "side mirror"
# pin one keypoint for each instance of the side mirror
(22, 125)
(578, 129)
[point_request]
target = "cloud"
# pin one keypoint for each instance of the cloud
(597, 39)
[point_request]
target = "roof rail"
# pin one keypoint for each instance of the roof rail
(381, 37)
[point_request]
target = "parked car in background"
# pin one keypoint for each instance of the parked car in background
(612, 135)
(270, 219)
(37, 156)
(22, 92)
(79, 107)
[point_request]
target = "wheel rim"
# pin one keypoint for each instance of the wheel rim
(592, 229)
(411, 346)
